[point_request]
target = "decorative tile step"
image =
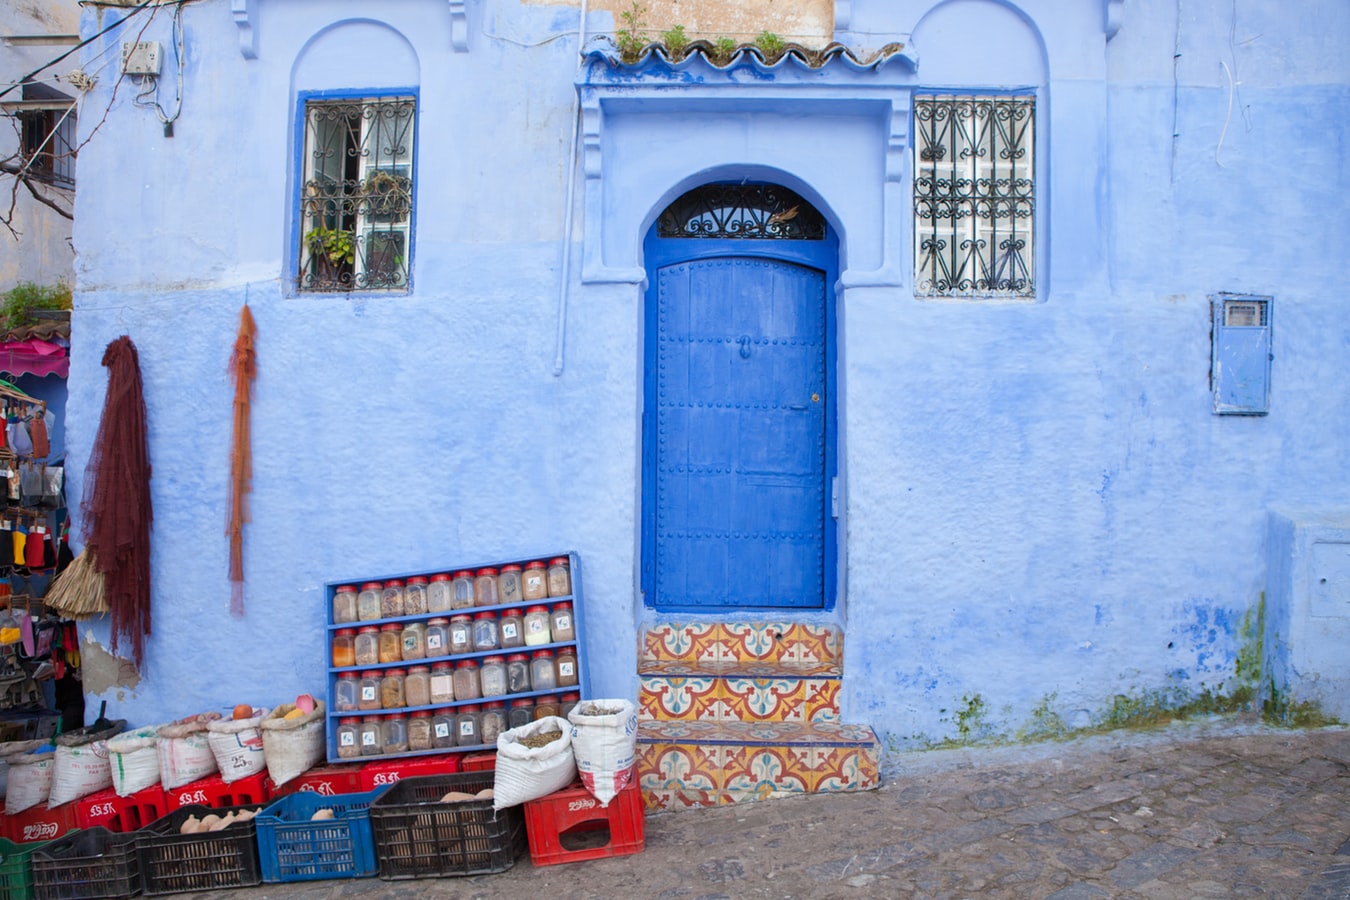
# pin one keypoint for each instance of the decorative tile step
(704, 642)
(683, 764)
(719, 692)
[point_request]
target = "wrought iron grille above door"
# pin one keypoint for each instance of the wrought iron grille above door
(748, 211)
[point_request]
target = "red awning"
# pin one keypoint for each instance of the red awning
(34, 357)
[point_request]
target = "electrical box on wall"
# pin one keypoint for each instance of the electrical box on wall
(1240, 367)
(140, 58)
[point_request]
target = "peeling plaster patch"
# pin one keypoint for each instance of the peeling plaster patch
(800, 21)
(103, 671)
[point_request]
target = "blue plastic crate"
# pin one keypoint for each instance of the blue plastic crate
(294, 847)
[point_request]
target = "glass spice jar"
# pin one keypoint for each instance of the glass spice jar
(348, 737)
(415, 596)
(391, 599)
(568, 703)
(414, 640)
(461, 633)
(559, 577)
(543, 671)
(346, 692)
(417, 686)
(461, 590)
(561, 622)
(344, 648)
(442, 683)
(492, 676)
(510, 584)
(466, 726)
(371, 736)
(367, 645)
(368, 601)
(537, 626)
(517, 673)
(467, 686)
(485, 635)
(512, 629)
(521, 712)
(395, 734)
(439, 593)
(443, 729)
(344, 604)
(369, 686)
(534, 583)
(546, 706)
(391, 643)
(438, 637)
(491, 722)
(419, 730)
(567, 667)
(391, 688)
(485, 587)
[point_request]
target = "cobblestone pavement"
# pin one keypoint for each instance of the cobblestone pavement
(1223, 808)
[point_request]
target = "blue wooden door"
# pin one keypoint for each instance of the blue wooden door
(736, 435)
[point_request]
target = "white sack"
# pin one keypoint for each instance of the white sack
(184, 751)
(79, 771)
(9, 749)
(292, 746)
(604, 742)
(133, 760)
(237, 745)
(30, 780)
(528, 773)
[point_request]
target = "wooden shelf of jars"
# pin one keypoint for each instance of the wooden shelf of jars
(441, 662)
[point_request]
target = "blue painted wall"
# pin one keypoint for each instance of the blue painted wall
(1041, 507)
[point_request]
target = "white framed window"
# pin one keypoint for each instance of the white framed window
(356, 200)
(974, 195)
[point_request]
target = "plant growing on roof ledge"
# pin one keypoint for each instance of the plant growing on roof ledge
(723, 49)
(675, 40)
(22, 304)
(630, 38)
(771, 45)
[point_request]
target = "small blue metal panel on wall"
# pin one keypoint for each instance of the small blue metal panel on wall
(1240, 367)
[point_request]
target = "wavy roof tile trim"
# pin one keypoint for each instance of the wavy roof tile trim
(603, 47)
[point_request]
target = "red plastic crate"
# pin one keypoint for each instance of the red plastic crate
(40, 823)
(378, 774)
(478, 762)
(214, 792)
(328, 781)
(571, 825)
(121, 814)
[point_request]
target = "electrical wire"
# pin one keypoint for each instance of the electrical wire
(48, 65)
(150, 85)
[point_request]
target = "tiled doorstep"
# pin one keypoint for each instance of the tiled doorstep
(713, 763)
(774, 642)
(710, 695)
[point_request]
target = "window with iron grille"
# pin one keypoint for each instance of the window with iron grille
(356, 199)
(48, 138)
(974, 196)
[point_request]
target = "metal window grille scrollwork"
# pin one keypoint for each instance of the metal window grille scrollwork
(357, 197)
(974, 196)
(745, 211)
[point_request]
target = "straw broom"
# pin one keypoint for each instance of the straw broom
(77, 593)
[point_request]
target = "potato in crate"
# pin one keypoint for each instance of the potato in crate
(86, 865)
(181, 851)
(440, 825)
(304, 836)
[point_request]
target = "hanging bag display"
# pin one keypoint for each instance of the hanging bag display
(37, 433)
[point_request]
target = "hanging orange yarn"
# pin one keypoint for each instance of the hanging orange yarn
(244, 368)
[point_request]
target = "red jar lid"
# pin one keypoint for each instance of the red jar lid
(461, 617)
(418, 670)
(485, 615)
(345, 588)
(535, 564)
(562, 604)
(421, 714)
(438, 621)
(488, 571)
(392, 626)
(536, 609)
(523, 701)
(346, 632)
(393, 582)
(542, 654)
(495, 704)
(349, 720)
(371, 586)
(568, 698)
(495, 660)
(472, 707)
(441, 667)
(441, 576)
(517, 657)
(466, 663)
(399, 672)
(511, 568)
(370, 674)
(346, 675)
(371, 719)
(558, 561)
(367, 629)
(463, 573)
(417, 579)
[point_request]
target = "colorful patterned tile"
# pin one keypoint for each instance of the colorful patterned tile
(747, 641)
(751, 669)
(843, 769)
(679, 768)
(821, 700)
(766, 770)
(678, 699)
(763, 699)
(686, 642)
(801, 643)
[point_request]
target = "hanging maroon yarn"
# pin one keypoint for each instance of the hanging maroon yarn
(244, 368)
(116, 506)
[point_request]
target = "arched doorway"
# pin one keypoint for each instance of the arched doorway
(739, 403)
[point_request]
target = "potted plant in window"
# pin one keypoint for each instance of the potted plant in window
(332, 251)
(389, 195)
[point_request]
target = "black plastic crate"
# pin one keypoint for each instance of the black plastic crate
(172, 863)
(418, 836)
(85, 865)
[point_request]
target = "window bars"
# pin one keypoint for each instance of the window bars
(974, 196)
(744, 211)
(357, 196)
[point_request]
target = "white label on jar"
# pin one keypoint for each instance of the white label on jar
(508, 630)
(409, 642)
(565, 669)
(564, 623)
(459, 634)
(466, 729)
(536, 626)
(347, 739)
(368, 739)
(442, 730)
(368, 692)
(433, 642)
(534, 582)
(442, 684)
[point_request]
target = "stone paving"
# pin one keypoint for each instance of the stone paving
(1223, 808)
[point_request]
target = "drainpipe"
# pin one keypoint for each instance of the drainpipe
(566, 266)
